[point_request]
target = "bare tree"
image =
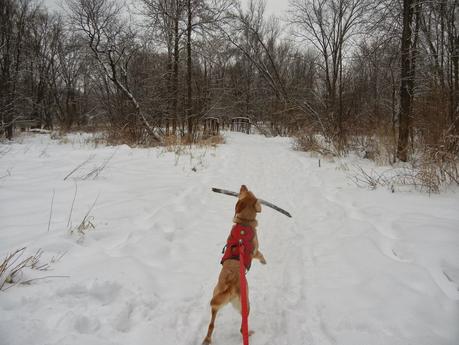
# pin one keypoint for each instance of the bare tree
(165, 18)
(113, 46)
(14, 25)
(329, 26)
(42, 54)
(68, 70)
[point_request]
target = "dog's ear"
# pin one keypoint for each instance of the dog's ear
(257, 206)
(240, 205)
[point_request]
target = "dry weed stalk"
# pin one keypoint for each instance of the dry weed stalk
(79, 166)
(4, 151)
(93, 174)
(12, 267)
(51, 210)
(8, 174)
(87, 223)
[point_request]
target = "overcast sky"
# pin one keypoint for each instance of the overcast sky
(277, 7)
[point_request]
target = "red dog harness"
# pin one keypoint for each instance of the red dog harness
(239, 233)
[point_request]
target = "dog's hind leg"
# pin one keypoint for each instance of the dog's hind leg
(218, 301)
(208, 338)
(236, 302)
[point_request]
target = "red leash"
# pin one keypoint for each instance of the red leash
(244, 306)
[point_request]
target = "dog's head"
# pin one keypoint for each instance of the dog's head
(247, 205)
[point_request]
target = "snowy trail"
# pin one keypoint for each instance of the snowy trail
(351, 267)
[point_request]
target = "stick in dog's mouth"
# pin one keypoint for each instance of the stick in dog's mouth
(263, 202)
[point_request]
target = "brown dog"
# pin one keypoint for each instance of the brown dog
(228, 287)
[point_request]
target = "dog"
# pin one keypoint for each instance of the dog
(227, 289)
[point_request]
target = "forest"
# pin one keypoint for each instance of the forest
(376, 77)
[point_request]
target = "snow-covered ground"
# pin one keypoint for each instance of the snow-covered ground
(352, 266)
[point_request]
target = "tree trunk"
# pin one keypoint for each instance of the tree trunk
(406, 70)
(176, 122)
(453, 113)
(188, 74)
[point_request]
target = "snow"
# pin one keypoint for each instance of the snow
(352, 266)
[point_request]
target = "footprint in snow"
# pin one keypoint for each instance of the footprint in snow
(81, 323)
(122, 322)
(105, 292)
(87, 325)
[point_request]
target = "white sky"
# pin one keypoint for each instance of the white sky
(51, 4)
(276, 7)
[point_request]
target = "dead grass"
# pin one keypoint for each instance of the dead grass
(438, 165)
(310, 142)
(379, 148)
(212, 141)
(436, 168)
(432, 167)
(14, 264)
(194, 152)
(172, 141)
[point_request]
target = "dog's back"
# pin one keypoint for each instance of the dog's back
(228, 284)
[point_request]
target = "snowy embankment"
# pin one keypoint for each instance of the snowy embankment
(351, 267)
